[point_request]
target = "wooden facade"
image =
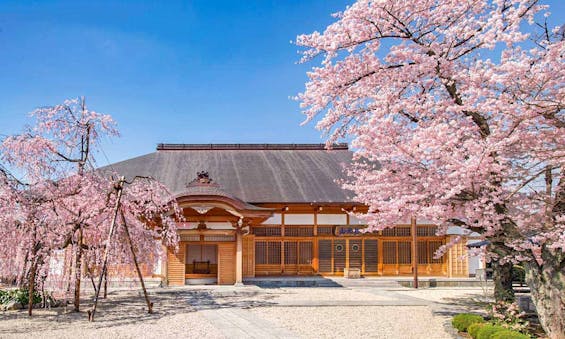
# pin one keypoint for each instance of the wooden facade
(286, 245)
(277, 209)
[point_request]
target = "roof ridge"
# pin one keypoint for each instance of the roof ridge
(196, 147)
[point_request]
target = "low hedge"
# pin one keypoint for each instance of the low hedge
(462, 321)
(509, 334)
(488, 330)
(473, 329)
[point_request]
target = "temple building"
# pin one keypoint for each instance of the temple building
(256, 210)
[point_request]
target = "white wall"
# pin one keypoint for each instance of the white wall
(332, 219)
(299, 219)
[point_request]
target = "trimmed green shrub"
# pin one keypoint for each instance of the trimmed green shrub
(473, 329)
(509, 334)
(488, 330)
(462, 321)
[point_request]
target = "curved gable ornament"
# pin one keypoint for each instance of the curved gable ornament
(203, 193)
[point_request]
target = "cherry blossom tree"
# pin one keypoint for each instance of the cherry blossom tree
(455, 112)
(60, 202)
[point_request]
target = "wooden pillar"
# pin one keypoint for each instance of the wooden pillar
(347, 253)
(239, 258)
(414, 251)
(282, 241)
(363, 256)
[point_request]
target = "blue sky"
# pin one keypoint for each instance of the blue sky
(178, 71)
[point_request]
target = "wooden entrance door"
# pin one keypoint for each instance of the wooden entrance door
(201, 261)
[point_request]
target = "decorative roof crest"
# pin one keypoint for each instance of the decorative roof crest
(202, 179)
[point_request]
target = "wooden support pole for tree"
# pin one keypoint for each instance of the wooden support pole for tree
(91, 278)
(105, 286)
(414, 250)
(128, 238)
(119, 189)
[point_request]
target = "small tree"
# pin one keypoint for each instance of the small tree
(456, 115)
(61, 203)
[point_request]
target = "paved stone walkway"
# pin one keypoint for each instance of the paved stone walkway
(240, 323)
(234, 319)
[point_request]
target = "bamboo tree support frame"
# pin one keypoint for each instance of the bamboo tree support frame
(149, 303)
(119, 189)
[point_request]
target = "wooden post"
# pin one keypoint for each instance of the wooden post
(149, 303)
(91, 277)
(414, 250)
(105, 286)
(119, 189)
(239, 257)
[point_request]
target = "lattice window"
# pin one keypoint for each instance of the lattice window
(397, 231)
(389, 252)
(268, 252)
(305, 253)
(325, 230)
(339, 255)
(325, 255)
(299, 231)
(433, 246)
(371, 255)
(423, 255)
(426, 231)
(404, 252)
(267, 231)
(355, 253)
(274, 250)
(426, 250)
(298, 252)
(290, 252)
(186, 237)
(219, 238)
(260, 252)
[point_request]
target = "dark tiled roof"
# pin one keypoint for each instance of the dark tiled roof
(255, 173)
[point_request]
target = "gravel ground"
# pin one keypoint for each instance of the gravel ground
(177, 313)
(122, 315)
(187, 325)
(357, 322)
(327, 293)
(431, 321)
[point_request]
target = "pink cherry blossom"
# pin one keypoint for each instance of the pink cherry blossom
(455, 113)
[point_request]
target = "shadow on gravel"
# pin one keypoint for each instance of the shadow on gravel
(213, 299)
(453, 306)
(129, 307)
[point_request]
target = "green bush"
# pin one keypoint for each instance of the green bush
(487, 331)
(18, 295)
(462, 321)
(509, 334)
(473, 329)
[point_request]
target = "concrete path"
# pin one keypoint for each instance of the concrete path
(240, 323)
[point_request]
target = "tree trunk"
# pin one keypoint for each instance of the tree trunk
(78, 271)
(502, 277)
(31, 289)
(547, 283)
